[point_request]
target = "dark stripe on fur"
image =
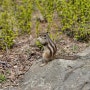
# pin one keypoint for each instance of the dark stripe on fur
(50, 50)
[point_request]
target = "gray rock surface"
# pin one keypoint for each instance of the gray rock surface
(58, 74)
(85, 52)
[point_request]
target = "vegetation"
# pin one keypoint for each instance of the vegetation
(75, 17)
(2, 78)
(16, 18)
(23, 15)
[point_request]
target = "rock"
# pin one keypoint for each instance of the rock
(11, 88)
(58, 75)
(85, 52)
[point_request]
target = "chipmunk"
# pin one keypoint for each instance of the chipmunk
(50, 49)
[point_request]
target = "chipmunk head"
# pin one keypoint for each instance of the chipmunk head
(43, 38)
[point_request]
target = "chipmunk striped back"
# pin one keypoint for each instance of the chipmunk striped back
(45, 39)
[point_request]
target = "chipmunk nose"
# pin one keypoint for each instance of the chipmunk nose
(39, 39)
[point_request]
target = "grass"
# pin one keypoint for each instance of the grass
(2, 78)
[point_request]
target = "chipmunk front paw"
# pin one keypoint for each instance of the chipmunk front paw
(42, 64)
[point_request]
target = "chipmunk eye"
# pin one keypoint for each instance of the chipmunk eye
(39, 35)
(44, 35)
